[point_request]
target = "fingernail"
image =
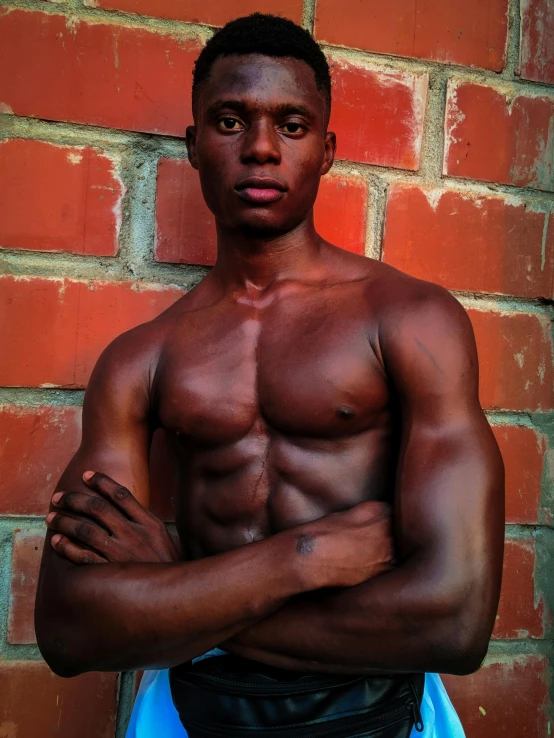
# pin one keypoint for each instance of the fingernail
(87, 475)
(50, 517)
(57, 497)
(56, 539)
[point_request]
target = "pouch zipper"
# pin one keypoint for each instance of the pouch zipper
(418, 720)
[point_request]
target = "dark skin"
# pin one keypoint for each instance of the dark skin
(306, 393)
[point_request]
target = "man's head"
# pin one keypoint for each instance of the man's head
(261, 104)
(268, 35)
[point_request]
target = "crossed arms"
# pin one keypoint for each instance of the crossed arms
(336, 604)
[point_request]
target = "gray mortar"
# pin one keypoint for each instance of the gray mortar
(125, 702)
(8, 524)
(308, 15)
(34, 397)
(513, 41)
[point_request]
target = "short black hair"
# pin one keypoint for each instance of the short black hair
(270, 35)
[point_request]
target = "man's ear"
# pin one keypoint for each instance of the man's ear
(191, 146)
(330, 148)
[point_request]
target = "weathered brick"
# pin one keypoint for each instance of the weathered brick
(466, 241)
(515, 360)
(214, 13)
(55, 329)
(61, 68)
(507, 697)
(35, 703)
(495, 135)
(521, 612)
(58, 198)
(35, 446)
(378, 115)
(185, 228)
(27, 552)
(340, 212)
(523, 451)
(536, 50)
(467, 32)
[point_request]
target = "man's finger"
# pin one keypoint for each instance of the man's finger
(119, 495)
(74, 553)
(81, 531)
(93, 506)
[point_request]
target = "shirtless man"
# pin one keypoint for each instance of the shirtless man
(305, 391)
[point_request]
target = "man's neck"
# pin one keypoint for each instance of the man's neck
(250, 262)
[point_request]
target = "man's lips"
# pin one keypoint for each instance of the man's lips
(257, 194)
(260, 189)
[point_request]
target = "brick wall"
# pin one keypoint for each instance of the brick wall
(445, 120)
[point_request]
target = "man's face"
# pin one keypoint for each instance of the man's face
(260, 142)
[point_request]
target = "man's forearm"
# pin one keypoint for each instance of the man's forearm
(400, 621)
(130, 616)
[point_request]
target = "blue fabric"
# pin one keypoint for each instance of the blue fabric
(155, 715)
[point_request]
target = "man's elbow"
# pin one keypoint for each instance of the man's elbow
(461, 641)
(56, 651)
(58, 656)
(56, 640)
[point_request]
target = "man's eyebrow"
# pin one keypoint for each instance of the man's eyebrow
(295, 109)
(219, 105)
(240, 106)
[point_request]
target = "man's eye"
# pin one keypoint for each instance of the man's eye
(293, 127)
(229, 124)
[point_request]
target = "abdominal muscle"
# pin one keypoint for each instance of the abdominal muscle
(233, 495)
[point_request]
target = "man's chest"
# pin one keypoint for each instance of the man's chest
(310, 372)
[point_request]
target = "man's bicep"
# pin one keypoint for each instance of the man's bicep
(449, 505)
(116, 434)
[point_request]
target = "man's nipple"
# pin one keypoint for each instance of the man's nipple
(345, 412)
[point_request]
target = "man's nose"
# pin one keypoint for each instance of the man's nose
(261, 144)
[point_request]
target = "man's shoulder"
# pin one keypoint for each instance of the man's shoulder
(137, 350)
(401, 306)
(391, 293)
(419, 320)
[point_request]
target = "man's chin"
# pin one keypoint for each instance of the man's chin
(259, 225)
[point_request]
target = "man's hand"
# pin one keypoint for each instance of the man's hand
(108, 525)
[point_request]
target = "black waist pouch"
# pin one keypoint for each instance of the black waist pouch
(234, 697)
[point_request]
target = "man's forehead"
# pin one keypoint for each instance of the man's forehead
(258, 77)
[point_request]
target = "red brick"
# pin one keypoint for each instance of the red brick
(61, 68)
(55, 329)
(536, 49)
(378, 115)
(27, 552)
(515, 360)
(507, 697)
(523, 451)
(196, 11)
(58, 198)
(471, 242)
(340, 212)
(185, 228)
(494, 135)
(467, 32)
(36, 445)
(520, 613)
(35, 703)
